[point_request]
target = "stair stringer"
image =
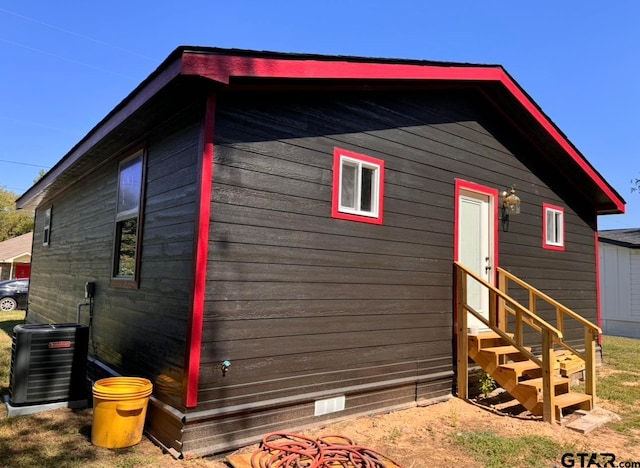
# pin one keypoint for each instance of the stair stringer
(520, 377)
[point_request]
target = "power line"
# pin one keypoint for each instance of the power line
(58, 28)
(65, 58)
(23, 164)
(36, 124)
(14, 188)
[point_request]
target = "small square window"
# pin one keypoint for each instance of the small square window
(552, 227)
(358, 186)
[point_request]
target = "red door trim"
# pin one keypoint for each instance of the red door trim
(491, 192)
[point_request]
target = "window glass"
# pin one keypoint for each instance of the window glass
(551, 227)
(46, 232)
(349, 179)
(358, 187)
(127, 229)
(366, 196)
(129, 186)
(127, 232)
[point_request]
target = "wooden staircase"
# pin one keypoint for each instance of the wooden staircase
(521, 377)
(533, 379)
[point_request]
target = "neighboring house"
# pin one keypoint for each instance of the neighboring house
(620, 281)
(15, 257)
(272, 236)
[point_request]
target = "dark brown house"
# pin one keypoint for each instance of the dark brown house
(272, 236)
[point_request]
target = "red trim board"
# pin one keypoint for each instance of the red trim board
(194, 337)
(494, 195)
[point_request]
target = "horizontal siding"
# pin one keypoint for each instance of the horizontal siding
(136, 332)
(620, 283)
(635, 285)
(303, 304)
(282, 271)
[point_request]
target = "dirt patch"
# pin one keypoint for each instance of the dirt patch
(416, 437)
(422, 437)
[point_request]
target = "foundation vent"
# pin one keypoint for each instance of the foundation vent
(329, 405)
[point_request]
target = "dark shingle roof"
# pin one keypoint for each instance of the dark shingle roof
(623, 237)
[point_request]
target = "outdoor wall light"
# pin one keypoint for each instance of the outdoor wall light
(510, 206)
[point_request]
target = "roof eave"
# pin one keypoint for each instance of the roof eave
(221, 66)
(13, 259)
(165, 73)
(619, 243)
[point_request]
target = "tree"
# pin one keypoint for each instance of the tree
(13, 222)
(41, 174)
(635, 185)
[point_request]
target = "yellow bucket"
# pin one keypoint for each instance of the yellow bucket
(119, 409)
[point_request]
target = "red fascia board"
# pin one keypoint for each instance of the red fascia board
(222, 68)
(550, 128)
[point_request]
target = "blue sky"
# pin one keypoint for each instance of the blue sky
(65, 65)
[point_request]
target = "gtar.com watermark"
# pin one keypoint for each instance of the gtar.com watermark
(595, 460)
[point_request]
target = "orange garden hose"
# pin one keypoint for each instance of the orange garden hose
(287, 450)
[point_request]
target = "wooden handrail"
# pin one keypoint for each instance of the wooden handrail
(533, 317)
(523, 316)
(549, 333)
(550, 300)
(504, 335)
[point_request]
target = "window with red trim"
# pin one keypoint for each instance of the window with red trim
(552, 227)
(358, 187)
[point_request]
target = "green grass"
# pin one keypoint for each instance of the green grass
(622, 353)
(495, 451)
(8, 320)
(622, 387)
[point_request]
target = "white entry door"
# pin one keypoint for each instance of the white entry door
(475, 248)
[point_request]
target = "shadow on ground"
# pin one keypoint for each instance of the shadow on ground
(501, 402)
(43, 441)
(8, 326)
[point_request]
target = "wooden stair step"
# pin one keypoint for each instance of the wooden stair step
(518, 368)
(490, 335)
(503, 350)
(572, 399)
(567, 400)
(537, 382)
(485, 340)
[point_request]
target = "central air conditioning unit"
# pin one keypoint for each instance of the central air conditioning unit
(48, 363)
